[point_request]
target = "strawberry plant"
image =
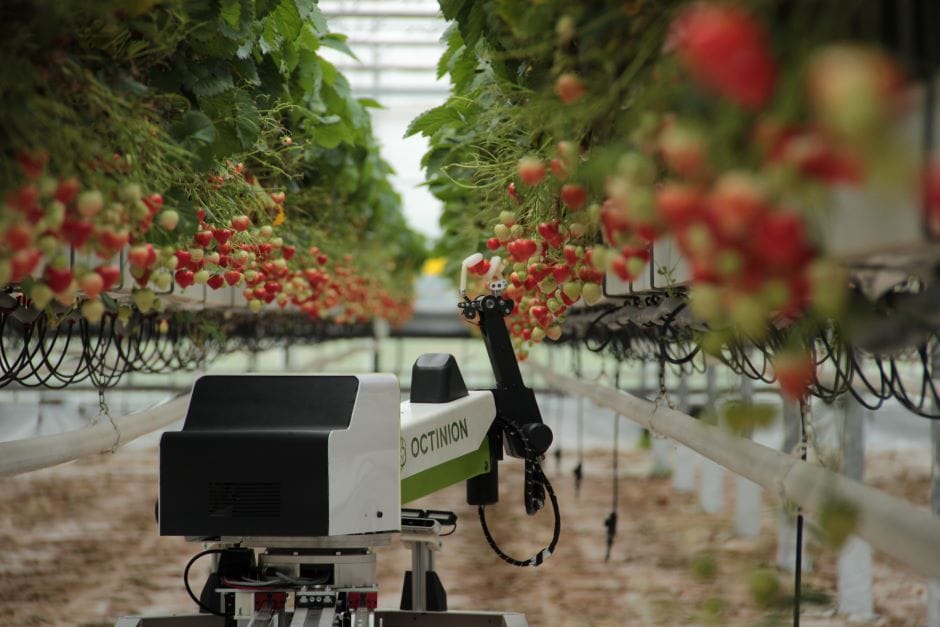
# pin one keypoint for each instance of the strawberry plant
(201, 142)
(721, 127)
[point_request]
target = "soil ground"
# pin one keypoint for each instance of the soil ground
(79, 546)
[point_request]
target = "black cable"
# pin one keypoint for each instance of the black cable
(189, 590)
(798, 574)
(451, 532)
(534, 475)
(611, 521)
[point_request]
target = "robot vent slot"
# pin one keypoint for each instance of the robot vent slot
(244, 499)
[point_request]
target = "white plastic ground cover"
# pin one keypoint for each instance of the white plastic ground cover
(891, 525)
(26, 455)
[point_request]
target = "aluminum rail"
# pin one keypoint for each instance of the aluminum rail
(28, 454)
(892, 525)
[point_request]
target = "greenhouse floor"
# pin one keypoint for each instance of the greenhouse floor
(80, 547)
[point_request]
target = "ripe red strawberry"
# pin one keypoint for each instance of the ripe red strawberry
(33, 163)
(679, 205)
(480, 268)
(493, 243)
(521, 249)
(735, 204)
(23, 262)
(241, 223)
(288, 252)
(109, 276)
(18, 237)
(142, 256)
(76, 232)
(569, 88)
(58, 279)
(511, 190)
(559, 171)
(725, 49)
(215, 281)
(221, 235)
(185, 278)
(795, 372)
(110, 242)
(203, 238)
(780, 241)
(66, 190)
(573, 195)
(531, 170)
(154, 203)
(232, 277)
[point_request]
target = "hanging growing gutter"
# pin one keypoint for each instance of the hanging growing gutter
(892, 525)
(28, 454)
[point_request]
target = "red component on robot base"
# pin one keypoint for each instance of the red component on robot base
(355, 600)
(277, 600)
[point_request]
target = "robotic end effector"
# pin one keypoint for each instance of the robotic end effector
(518, 428)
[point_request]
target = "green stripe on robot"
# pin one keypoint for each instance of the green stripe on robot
(454, 471)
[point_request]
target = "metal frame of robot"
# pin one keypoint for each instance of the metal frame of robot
(433, 435)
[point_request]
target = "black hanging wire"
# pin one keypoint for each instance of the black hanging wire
(578, 471)
(798, 573)
(610, 523)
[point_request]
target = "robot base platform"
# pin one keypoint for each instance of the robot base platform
(381, 618)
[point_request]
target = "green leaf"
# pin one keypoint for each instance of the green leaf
(285, 21)
(431, 121)
(338, 42)
(450, 8)
(209, 79)
(371, 103)
(312, 15)
(454, 44)
(310, 74)
(332, 135)
(329, 71)
(247, 120)
(231, 12)
(270, 37)
(307, 40)
(195, 127)
(247, 71)
(470, 20)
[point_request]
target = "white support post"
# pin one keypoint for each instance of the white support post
(747, 500)
(786, 523)
(683, 477)
(660, 447)
(933, 586)
(711, 495)
(854, 572)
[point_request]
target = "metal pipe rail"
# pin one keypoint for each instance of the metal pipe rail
(28, 454)
(890, 524)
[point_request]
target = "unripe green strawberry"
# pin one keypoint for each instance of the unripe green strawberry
(41, 295)
(169, 219)
(591, 293)
(705, 301)
(143, 299)
(89, 203)
(572, 289)
(93, 310)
